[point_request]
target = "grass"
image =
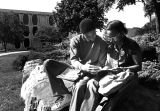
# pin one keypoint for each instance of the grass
(10, 84)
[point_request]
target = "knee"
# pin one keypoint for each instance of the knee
(78, 86)
(45, 65)
(53, 64)
(50, 64)
(47, 62)
(92, 84)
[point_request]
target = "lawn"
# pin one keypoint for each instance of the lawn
(10, 84)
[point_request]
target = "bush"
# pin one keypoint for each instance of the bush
(36, 55)
(149, 76)
(132, 32)
(20, 61)
(59, 52)
(58, 55)
(147, 39)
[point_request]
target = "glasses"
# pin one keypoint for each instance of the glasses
(109, 37)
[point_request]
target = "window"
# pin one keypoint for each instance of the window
(34, 30)
(26, 31)
(25, 19)
(34, 19)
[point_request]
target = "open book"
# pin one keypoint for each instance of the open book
(73, 74)
(69, 74)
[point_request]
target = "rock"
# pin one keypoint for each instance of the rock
(36, 89)
(137, 98)
(28, 67)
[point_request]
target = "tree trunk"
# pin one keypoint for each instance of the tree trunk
(5, 46)
(157, 13)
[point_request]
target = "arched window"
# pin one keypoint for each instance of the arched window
(34, 30)
(26, 31)
(26, 42)
(25, 19)
(34, 19)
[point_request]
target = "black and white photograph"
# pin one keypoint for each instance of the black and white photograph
(80, 55)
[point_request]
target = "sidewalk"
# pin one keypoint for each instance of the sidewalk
(17, 52)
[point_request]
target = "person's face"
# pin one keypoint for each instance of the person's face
(111, 34)
(90, 36)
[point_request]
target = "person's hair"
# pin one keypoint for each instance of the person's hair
(117, 26)
(86, 25)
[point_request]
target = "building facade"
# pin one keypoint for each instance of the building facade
(33, 22)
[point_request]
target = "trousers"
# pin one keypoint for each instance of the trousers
(53, 69)
(85, 95)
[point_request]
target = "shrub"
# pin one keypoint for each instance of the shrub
(58, 55)
(132, 32)
(20, 61)
(149, 76)
(36, 55)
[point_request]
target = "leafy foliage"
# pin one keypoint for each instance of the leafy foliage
(149, 8)
(150, 26)
(107, 4)
(69, 13)
(48, 34)
(148, 29)
(132, 32)
(11, 29)
(20, 61)
(59, 52)
(149, 76)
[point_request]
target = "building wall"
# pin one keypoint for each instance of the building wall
(28, 18)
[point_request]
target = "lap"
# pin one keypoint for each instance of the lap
(87, 82)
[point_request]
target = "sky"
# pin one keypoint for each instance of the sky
(132, 16)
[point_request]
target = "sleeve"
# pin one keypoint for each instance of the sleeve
(74, 53)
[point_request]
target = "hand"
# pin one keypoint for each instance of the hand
(105, 68)
(117, 70)
(91, 68)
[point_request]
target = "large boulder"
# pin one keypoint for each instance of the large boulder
(29, 67)
(138, 98)
(36, 88)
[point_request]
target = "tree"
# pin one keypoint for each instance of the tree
(149, 10)
(150, 26)
(69, 13)
(11, 30)
(107, 4)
